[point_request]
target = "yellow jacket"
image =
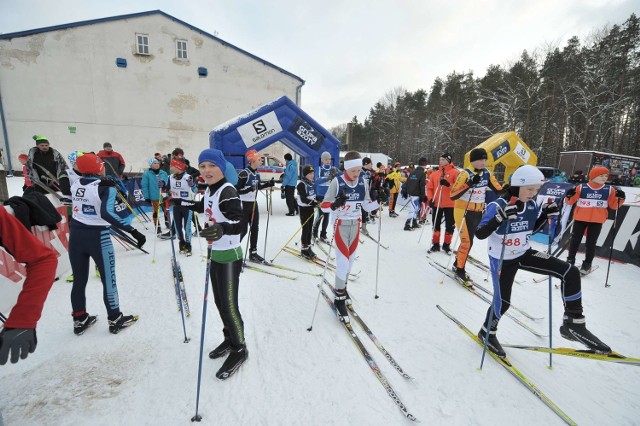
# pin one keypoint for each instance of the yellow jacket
(396, 177)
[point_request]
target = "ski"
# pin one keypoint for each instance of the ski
(286, 268)
(373, 337)
(481, 265)
(370, 361)
(325, 251)
(264, 271)
(376, 241)
(513, 370)
(593, 268)
(581, 353)
(473, 291)
(181, 292)
(319, 262)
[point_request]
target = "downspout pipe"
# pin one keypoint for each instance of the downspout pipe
(6, 138)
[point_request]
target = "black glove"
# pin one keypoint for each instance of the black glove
(19, 341)
(147, 200)
(212, 232)
(510, 212)
(620, 194)
(339, 201)
(423, 198)
(551, 209)
(570, 193)
(191, 205)
(475, 179)
(271, 183)
(140, 239)
(431, 203)
(444, 182)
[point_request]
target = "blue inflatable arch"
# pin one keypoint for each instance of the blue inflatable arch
(278, 121)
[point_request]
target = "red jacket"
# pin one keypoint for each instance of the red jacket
(41, 264)
(434, 188)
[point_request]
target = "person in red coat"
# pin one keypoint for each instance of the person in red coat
(18, 337)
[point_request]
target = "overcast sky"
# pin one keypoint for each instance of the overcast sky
(350, 52)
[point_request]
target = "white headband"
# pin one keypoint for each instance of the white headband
(356, 162)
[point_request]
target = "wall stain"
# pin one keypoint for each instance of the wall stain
(198, 41)
(35, 46)
(182, 102)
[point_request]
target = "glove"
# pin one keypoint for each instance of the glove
(19, 341)
(191, 205)
(423, 198)
(339, 201)
(444, 182)
(570, 193)
(620, 194)
(551, 209)
(213, 232)
(271, 183)
(510, 212)
(147, 200)
(140, 239)
(431, 204)
(475, 179)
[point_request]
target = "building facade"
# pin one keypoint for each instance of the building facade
(144, 82)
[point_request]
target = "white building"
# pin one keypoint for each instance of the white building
(146, 82)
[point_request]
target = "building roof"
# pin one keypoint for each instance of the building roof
(26, 33)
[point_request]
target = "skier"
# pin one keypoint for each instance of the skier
(511, 226)
(592, 201)
(181, 185)
(326, 173)
(248, 186)
(306, 204)
(469, 194)
(439, 199)
(18, 338)
(89, 237)
(368, 174)
(416, 192)
(289, 180)
(225, 224)
(154, 180)
(346, 195)
(393, 181)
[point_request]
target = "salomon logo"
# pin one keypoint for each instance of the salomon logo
(80, 192)
(259, 127)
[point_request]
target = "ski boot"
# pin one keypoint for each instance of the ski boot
(187, 249)
(415, 224)
(446, 248)
(493, 344)
(434, 247)
(221, 350)
(181, 248)
(363, 229)
(324, 239)
(576, 329)
(308, 253)
(585, 269)
(120, 322)
(165, 236)
(340, 302)
(393, 214)
(82, 322)
(462, 276)
(407, 225)
(235, 359)
(255, 257)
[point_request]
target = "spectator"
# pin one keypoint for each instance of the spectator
(113, 161)
(289, 181)
(45, 165)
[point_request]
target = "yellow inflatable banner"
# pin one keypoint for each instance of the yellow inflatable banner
(506, 149)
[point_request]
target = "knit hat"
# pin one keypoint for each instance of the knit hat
(107, 145)
(307, 169)
(422, 161)
(152, 161)
(40, 139)
(597, 171)
(477, 154)
(89, 164)
(526, 175)
(325, 156)
(73, 158)
(252, 155)
(178, 164)
(23, 157)
(447, 157)
(213, 156)
(366, 160)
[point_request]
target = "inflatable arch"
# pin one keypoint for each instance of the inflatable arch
(278, 121)
(506, 149)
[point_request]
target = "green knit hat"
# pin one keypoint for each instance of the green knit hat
(40, 139)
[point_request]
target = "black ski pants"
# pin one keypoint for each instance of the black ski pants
(324, 218)
(593, 232)
(306, 220)
(252, 219)
(289, 192)
(225, 279)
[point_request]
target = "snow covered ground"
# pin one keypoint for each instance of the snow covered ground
(147, 375)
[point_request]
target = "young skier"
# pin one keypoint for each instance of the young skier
(306, 204)
(592, 201)
(181, 185)
(469, 193)
(248, 186)
(510, 225)
(439, 199)
(326, 173)
(368, 174)
(89, 237)
(225, 223)
(154, 180)
(416, 191)
(347, 194)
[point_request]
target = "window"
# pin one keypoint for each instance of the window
(142, 41)
(181, 49)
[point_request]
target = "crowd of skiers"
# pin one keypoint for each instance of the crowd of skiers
(326, 199)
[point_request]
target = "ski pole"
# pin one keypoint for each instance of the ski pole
(549, 221)
(324, 271)
(292, 237)
(155, 240)
(198, 417)
(615, 218)
(174, 231)
(493, 301)
(464, 219)
(266, 232)
(378, 251)
(435, 217)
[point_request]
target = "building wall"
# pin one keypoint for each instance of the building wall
(52, 81)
